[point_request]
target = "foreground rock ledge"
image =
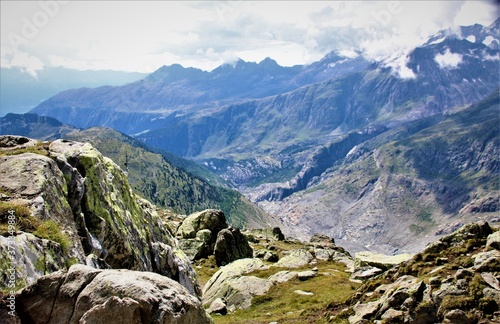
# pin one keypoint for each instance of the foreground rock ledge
(87, 295)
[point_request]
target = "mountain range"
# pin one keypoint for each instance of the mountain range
(343, 146)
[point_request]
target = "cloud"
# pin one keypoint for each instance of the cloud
(142, 36)
(448, 60)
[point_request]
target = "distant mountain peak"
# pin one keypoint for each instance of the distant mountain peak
(173, 72)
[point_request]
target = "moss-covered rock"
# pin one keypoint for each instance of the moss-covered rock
(82, 203)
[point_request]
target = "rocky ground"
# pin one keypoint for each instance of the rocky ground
(89, 250)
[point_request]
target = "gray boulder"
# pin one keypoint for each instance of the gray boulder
(322, 239)
(211, 219)
(296, 259)
(231, 245)
(231, 284)
(87, 295)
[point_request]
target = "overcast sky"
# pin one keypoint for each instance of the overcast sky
(142, 36)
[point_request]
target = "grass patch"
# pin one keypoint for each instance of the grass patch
(40, 148)
(205, 269)
(50, 230)
(281, 304)
(23, 219)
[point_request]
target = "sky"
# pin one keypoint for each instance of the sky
(142, 36)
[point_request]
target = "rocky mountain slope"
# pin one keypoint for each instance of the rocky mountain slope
(412, 181)
(159, 177)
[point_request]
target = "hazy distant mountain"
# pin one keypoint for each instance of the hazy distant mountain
(171, 91)
(20, 92)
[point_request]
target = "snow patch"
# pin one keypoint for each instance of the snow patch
(338, 62)
(448, 60)
(437, 41)
(399, 65)
(488, 40)
(471, 38)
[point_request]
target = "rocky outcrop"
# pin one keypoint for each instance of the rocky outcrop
(197, 233)
(69, 194)
(231, 245)
(454, 280)
(206, 233)
(87, 295)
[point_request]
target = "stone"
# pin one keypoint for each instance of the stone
(482, 260)
(378, 260)
(464, 273)
(231, 245)
(306, 275)
(457, 316)
(365, 273)
(271, 256)
(493, 240)
(282, 276)
(324, 254)
(211, 219)
(364, 311)
(435, 281)
(296, 259)
(392, 316)
(218, 285)
(303, 293)
(322, 239)
(218, 306)
(84, 294)
(266, 234)
(491, 280)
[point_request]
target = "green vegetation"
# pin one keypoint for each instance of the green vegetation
(283, 305)
(156, 179)
(50, 230)
(40, 148)
(23, 219)
(47, 229)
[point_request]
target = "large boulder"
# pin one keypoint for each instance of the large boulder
(231, 245)
(230, 283)
(211, 219)
(296, 259)
(198, 232)
(378, 260)
(87, 295)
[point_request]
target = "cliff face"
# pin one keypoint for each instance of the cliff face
(72, 205)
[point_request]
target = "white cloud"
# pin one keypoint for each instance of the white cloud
(142, 36)
(448, 60)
